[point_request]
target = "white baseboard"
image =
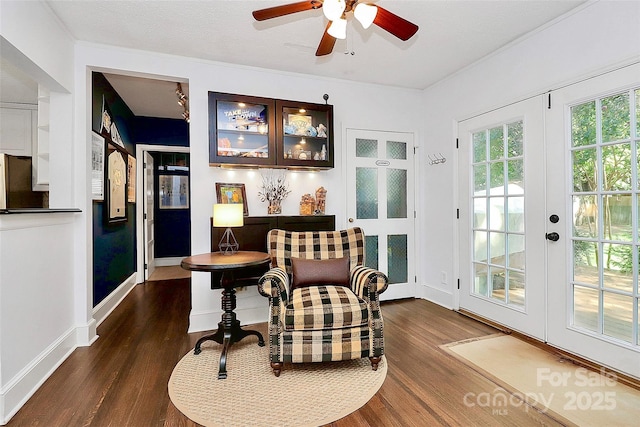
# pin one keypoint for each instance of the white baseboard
(436, 296)
(87, 335)
(21, 387)
(107, 305)
(169, 261)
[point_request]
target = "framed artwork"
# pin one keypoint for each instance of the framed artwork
(232, 193)
(174, 191)
(108, 126)
(97, 166)
(116, 184)
(131, 179)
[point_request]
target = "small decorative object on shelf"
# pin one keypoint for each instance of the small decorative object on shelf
(307, 204)
(321, 197)
(274, 190)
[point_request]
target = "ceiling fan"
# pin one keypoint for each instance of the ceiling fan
(335, 11)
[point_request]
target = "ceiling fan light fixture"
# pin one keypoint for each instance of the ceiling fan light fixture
(365, 14)
(333, 9)
(338, 29)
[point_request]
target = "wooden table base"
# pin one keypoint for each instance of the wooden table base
(229, 330)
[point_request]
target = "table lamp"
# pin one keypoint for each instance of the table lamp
(228, 215)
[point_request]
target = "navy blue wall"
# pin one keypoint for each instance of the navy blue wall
(152, 130)
(172, 226)
(114, 248)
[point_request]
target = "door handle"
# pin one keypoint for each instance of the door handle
(554, 237)
(350, 219)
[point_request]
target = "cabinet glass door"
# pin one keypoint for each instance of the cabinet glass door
(305, 135)
(240, 130)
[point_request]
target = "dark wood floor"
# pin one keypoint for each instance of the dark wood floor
(121, 380)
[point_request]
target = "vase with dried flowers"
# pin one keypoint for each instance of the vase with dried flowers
(274, 190)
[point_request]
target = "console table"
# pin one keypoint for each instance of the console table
(229, 330)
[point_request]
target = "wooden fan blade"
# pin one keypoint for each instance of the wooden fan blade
(399, 27)
(326, 43)
(286, 9)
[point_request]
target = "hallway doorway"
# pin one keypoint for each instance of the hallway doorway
(146, 233)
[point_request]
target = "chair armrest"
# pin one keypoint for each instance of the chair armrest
(274, 283)
(367, 282)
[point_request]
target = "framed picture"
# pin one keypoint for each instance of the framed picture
(174, 191)
(116, 184)
(97, 166)
(232, 193)
(108, 127)
(131, 179)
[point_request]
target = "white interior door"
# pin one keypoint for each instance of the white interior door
(593, 161)
(149, 226)
(502, 216)
(380, 200)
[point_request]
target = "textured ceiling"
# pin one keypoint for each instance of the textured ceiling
(453, 34)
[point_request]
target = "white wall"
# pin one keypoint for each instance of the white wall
(355, 105)
(42, 48)
(597, 37)
(37, 329)
(40, 323)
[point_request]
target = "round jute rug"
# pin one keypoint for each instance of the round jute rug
(309, 394)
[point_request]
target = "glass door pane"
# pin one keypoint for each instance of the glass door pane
(604, 159)
(397, 258)
(366, 193)
(498, 225)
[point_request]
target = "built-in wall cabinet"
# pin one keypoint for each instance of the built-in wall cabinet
(254, 131)
(17, 130)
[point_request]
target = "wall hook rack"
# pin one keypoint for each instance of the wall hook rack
(436, 159)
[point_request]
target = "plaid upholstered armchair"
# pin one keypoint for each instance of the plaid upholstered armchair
(323, 300)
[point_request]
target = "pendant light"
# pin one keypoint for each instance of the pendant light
(338, 29)
(365, 14)
(333, 9)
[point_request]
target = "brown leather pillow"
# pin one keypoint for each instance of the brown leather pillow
(310, 272)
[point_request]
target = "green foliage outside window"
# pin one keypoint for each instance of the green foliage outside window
(601, 135)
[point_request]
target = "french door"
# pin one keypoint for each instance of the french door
(593, 160)
(502, 216)
(380, 200)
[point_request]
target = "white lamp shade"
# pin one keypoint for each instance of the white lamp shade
(338, 29)
(365, 14)
(228, 215)
(333, 9)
